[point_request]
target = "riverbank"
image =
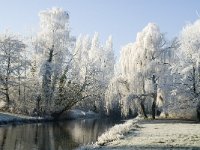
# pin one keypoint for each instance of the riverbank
(10, 118)
(151, 134)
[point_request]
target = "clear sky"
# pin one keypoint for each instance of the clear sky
(120, 18)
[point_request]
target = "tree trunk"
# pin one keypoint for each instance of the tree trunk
(143, 109)
(57, 114)
(194, 80)
(198, 115)
(7, 94)
(6, 81)
(7, 98)
(154, 107)
(46, 83)
(19, 89)
(143, 99)
(61, 87)
(51, 54)
(154, 96)
(38, 99)
(198, 112)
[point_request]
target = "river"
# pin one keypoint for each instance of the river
(66, 135)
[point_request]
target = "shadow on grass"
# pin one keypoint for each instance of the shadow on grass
(135, 147)
(165, 121)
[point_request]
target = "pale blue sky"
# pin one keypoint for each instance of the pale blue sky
(120, 18)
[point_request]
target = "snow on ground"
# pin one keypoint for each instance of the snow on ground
(155, 134)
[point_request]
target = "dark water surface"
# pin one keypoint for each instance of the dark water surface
(52, 136)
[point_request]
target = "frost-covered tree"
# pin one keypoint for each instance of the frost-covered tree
(70, 71)
(186, 72)
(145, 65)
(53, 42)
(93, 67)
(153, 64)
(189, 48)
(12, 66)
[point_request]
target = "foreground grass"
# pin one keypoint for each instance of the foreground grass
(150, 134)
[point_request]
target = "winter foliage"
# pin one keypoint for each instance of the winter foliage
(59, 72)
(144, 68)
(149, 75)
(53, 71)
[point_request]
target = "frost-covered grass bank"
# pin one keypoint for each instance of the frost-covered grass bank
(151, 134)
(10, 118)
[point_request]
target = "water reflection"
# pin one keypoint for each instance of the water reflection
(52, 136)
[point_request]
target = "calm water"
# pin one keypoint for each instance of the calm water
(52, 136)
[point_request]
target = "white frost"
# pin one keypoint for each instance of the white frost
(116, 132)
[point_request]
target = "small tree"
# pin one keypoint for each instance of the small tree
(11, 65)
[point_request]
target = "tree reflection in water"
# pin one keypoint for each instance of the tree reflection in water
(52, 136)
